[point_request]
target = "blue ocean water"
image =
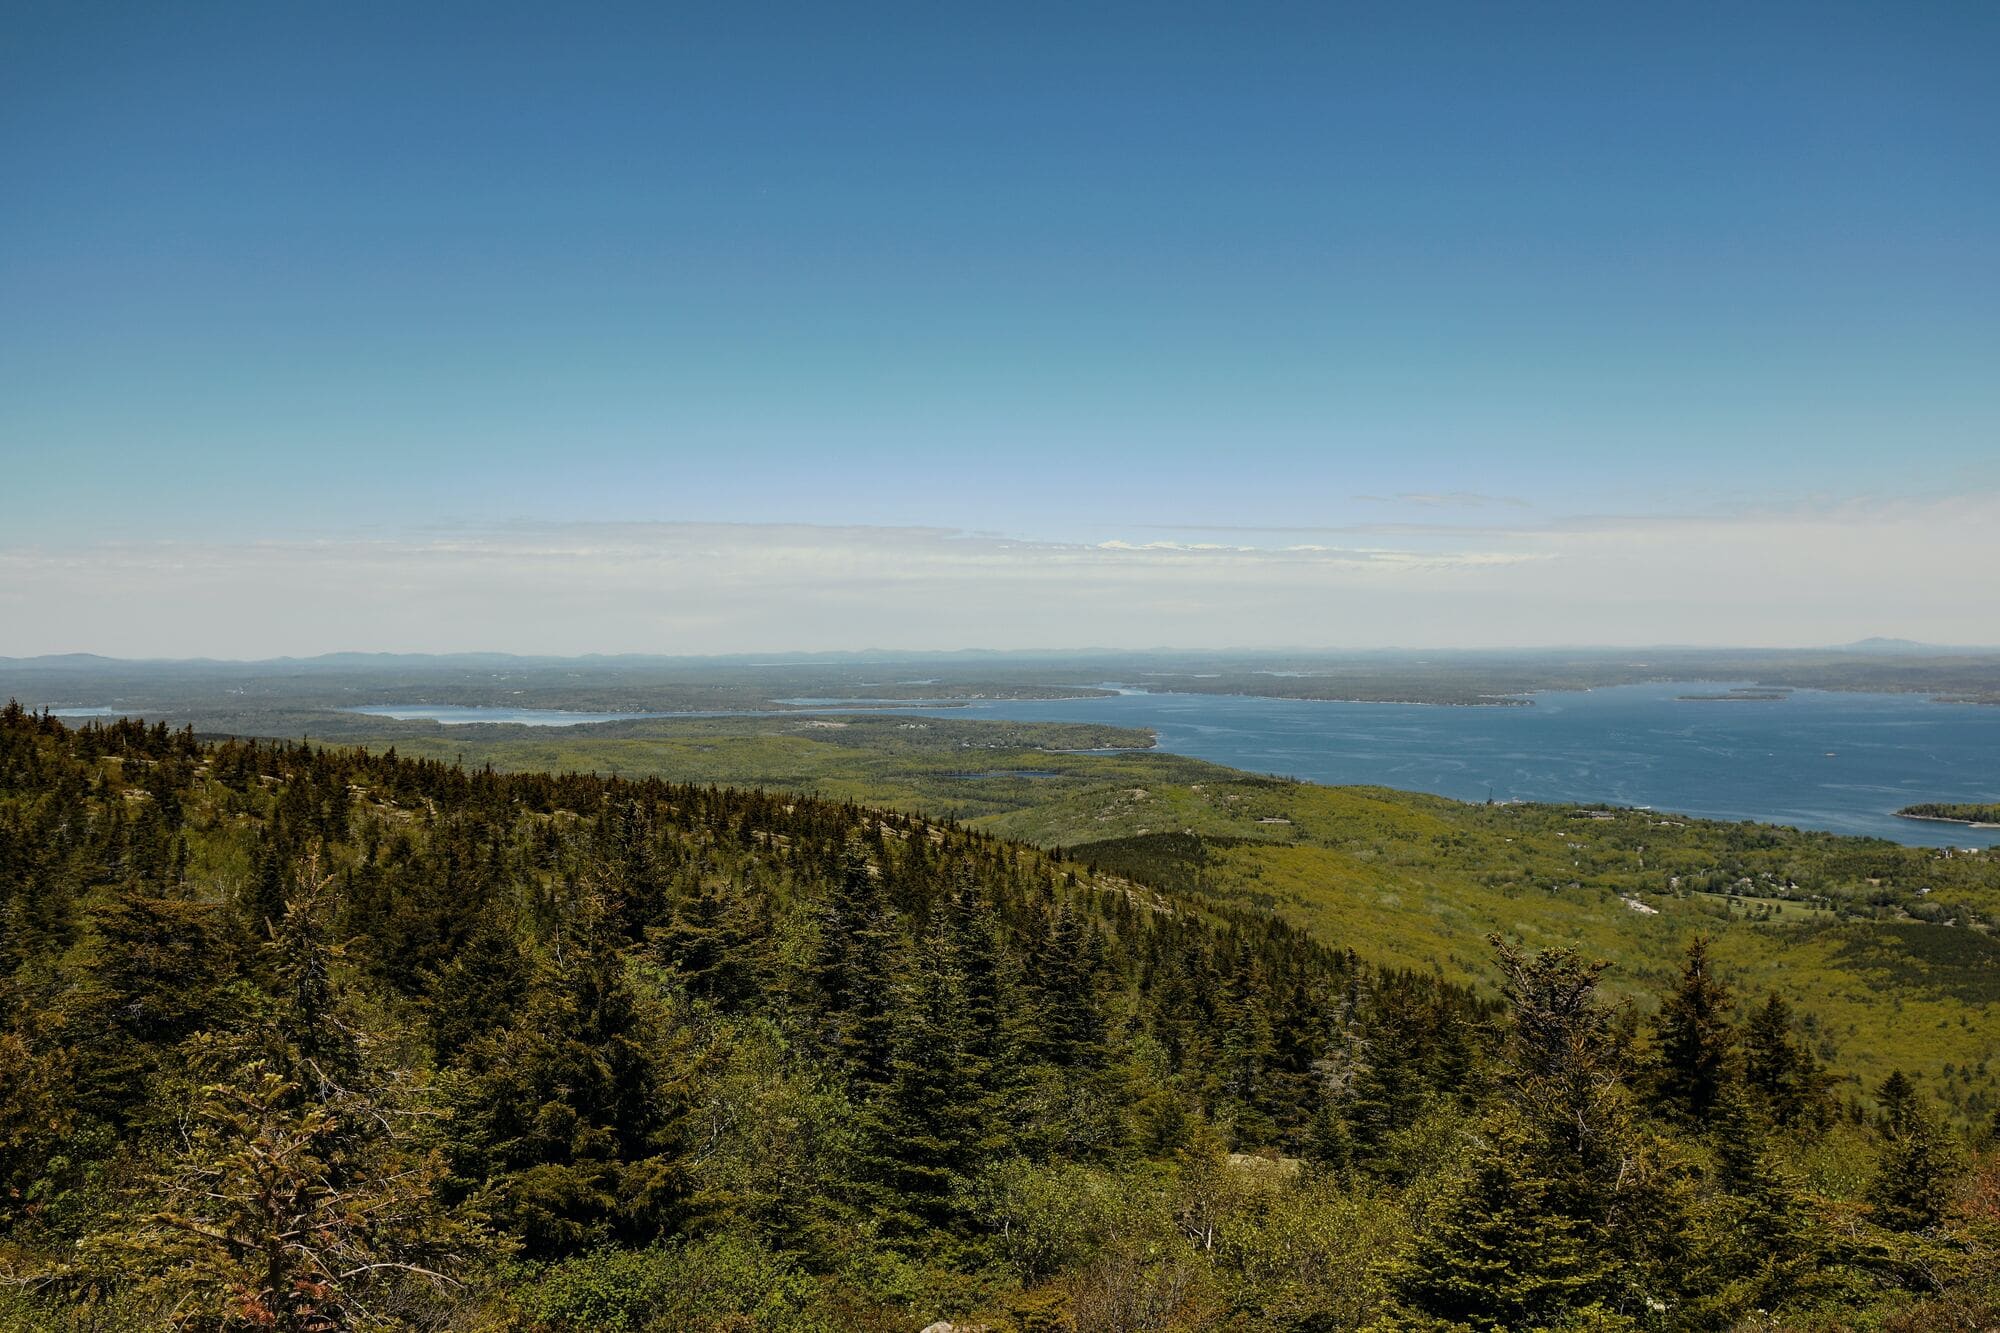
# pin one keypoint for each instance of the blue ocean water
(1815, 759)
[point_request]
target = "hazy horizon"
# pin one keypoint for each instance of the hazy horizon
(1826, 576)
(793, 657)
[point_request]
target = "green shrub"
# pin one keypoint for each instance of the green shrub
(721, 1283)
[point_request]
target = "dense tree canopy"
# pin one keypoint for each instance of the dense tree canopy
(312, 1039)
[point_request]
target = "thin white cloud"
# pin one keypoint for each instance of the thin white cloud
(1448, 500)
(1827, 573)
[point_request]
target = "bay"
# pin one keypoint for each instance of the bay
(1843, 762)
(1818, 759)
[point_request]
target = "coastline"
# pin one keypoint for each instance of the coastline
(1947, 819)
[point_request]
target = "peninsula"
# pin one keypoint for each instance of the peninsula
(1977, 815)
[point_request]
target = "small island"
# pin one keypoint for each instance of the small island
(1742, 694)
(1976, 815)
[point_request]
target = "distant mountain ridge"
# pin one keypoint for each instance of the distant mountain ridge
(1903, 647)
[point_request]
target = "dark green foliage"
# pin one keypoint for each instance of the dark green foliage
(1696, 1042)
(1964, 812)
(477, 991)
(1169, 860)
(1563, 1072)
(715, 942)
(160, 973)
(1756, 1244)
(38, 1119)
(852, 968)
(1573, 1204)
(1393, 1082)
(311, 1039)
(1918, 1164)
(567, 1122)
(1505, 1256)
(320, 1047)
(1781, 1074)
(1062, 969)
(937, 1120)
(1964, 964)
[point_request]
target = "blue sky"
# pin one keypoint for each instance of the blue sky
(1442, 277)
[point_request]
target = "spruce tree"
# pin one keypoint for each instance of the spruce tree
(1780, 1072)
(1504, 1255)
(1248, 1050)
(934, 1122)
(1696, 1041)
(160, 973)
(320, 1048)
(1898, 1102)
(1068, 1009)
(992, 1007)
(1562, 1078)
(1755, 1242)
(1563, 1072)
(477, 991)
(713, 944)
(568, 1121)
(852, 969)
(1388, 1091)
(1298, 1041)
(1918, 1162)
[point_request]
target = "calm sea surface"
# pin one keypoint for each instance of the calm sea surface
(1814, 758)
(1817, 759)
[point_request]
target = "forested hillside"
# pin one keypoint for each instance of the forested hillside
(1893, 946)
(309, 1039)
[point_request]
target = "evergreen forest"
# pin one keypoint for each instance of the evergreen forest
(305, 1038)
